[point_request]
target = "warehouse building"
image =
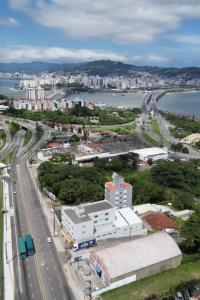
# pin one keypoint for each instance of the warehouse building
(134, 260)
(154, 153)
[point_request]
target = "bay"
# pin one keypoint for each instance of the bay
(185, 103)
(7, 88)
(132, 99)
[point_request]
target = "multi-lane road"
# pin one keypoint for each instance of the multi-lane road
(40, 276)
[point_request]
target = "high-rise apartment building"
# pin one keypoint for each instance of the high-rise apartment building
(118, 192)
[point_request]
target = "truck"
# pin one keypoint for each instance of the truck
(22, 248)
(29, 245)
(84, 245)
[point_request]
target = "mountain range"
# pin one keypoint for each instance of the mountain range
(101, 68)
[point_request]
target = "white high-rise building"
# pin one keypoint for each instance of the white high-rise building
(35, 93)
(118, 192)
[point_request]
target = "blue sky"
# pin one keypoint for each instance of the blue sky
(142, 32)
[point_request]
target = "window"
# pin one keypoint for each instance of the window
(106, 219)
(96, 216)
(106, 214)
(95, 222)
(83, 232)
(116, 193)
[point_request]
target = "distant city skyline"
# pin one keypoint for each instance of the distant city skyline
(141, 32)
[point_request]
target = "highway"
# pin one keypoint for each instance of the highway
(40, 276)
(149, 104)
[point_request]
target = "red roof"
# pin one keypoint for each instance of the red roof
(127, 185)
(159, 221)
(54, 145)
(110, 186)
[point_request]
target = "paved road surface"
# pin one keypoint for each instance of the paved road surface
(40, 276)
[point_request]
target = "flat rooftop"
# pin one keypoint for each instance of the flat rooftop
(80, 213)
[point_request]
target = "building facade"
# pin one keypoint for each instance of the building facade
(118, 192)
(134, 260)
(89, 221)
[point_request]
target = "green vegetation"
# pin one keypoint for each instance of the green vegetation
(68, 182)
(27, 137)
(9, 157)
(180, 148)
(1, 241)
(13, 127)
(163, 284)
(39, 132)
(155, 127)
(78, 115)
(176, 182)
(149, 138)
(2, 138)
(184, 125)
(64, 157)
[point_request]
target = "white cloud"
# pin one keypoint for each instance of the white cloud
(9, 21)
(28, 53)
(127, 21)
(190, 39)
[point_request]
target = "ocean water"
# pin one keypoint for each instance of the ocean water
(7, 88)
(132, 99)
(186, 103)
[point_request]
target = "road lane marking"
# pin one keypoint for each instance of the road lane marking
(35, 257)
(16, 238)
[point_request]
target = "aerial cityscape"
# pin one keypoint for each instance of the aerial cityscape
(100, 150)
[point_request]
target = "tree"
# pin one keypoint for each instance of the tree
(182, 200)
(191, 232)
(63, 157)
(149, 192)
(150, 161)
(74, 139)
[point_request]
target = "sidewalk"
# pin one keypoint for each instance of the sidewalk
(71, 277)
(7, 244)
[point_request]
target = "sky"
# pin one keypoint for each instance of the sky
(141, 32)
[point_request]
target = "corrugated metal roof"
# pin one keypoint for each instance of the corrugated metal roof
(150, 151)
(134, 255)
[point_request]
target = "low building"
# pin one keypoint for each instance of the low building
(191, 139)
(127, 223)
(118, 192)
(154, 153)
(100, 220)
(134, 260)
(88, 221)
(159, 222)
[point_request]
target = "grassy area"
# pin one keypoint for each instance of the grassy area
(1, 241)
(162, 284)
(150, 139)
(27, 137)
(9, 157)
(155, 127)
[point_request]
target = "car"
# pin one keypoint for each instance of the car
(49, 239)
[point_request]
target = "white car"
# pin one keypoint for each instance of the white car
(49, 239)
